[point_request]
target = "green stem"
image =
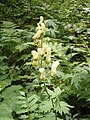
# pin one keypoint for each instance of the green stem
(54, 110)
(51, 100)
(41, 56)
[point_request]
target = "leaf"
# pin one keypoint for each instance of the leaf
(57, 91)
(22, 93)
(23, 116)
(62, 107)
(75, 81)
(33, 102)
(45, 106)
(21, 97)
(32, 98)
(5, 110)
(32, 108)
(6, 118)
(22, 111)
(50, 92)
(23, 46)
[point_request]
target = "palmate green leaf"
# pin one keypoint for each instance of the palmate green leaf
(24, 46)
(75, 81)
(22, 111)
(32, 98)
(21, 98)
(33, 101)
(62, 107)
(5, 110)
(22, 93)
(22, 102)
(6, 118)
(24, 116)
(3, 84)
(51, 93)
(34, 107)
(45, 106)
(50, 116)
(57, 91)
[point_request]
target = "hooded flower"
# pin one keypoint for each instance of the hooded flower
(42, 71)
(54, 67)
(39, 51)
(35, 54)
(44, 48)
(37, 35)
(48, 56)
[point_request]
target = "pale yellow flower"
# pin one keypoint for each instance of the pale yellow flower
(42, 71)
(39, 52)
(44, 48)
(35, 54)
(44, 29)
(37, 35)
(38, 26)
(48, 51)
(48, 60)
(54, 67)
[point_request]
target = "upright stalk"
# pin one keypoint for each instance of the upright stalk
(54, 111)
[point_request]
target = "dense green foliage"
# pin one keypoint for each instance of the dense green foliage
(23, 96)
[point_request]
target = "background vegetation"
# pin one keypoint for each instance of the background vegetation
(22, 95)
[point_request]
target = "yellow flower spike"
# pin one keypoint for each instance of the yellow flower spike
(35, 54)
(42, 71)
(54, 67)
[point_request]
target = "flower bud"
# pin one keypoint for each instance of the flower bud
(41, 19)
(54, 67)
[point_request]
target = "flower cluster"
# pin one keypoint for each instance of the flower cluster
(43, 51)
